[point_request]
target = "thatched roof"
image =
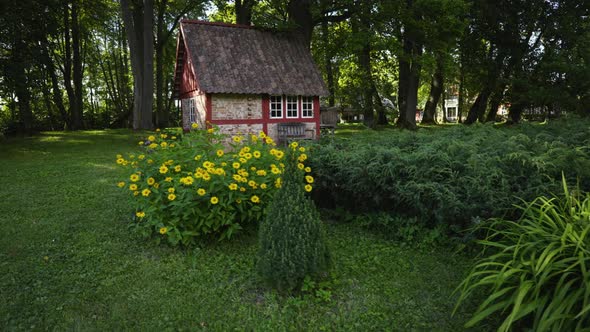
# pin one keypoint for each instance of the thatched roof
(240, 59)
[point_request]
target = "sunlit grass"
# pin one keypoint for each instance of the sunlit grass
(68, 260)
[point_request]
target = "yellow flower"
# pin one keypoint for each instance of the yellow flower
(219, 153)
(163, 230)
(208, 164)
(197, 157)
(263, 186)
(254, 138)
(237, 177)
(243, 160)
(156, 185)
(168, 179)
(146, 192)
(163, 169)
(238, 201)
(150, 161)
(177, 168)
(140, 214)
(252, 183)
(300, 166)
(256, 154)
(242, 189)
(262, 134)
(157, 129)
(206, 177)
(279, 154)
(194, 126)
(309, 178)
(136, 193)
(214, 200)
(233, 186)
(275, 170)
(201, 192)
(220, 171)
(308, 169)
(294, 145)
(151, 181)
(133, 187)
(187, 180)
(151, 138)
(134, 177)
(163, 135)
(171, 190)
(120, 161)
(171, 197)
(210, 131)
(308, 187)
(121, 184)
(237, 139)
(153, 146)
(163, 144)
(278, 183)
(140, 142)
(246, 149)
(119, 156)
(173, 137)
(261, 172)
(172, 145)
(169, 162)
(301, 149)
(302, 157)
(141, 157)
(255, 199)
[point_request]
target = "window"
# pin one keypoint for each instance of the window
(292, 107)
(307, 107)
(452, 112)
(276, 107)
(191, 111)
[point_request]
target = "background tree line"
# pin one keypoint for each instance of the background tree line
(76, 64)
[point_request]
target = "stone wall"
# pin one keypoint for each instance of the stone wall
(241, 129)
(236, 107)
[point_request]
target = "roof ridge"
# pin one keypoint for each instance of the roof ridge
(220, 24)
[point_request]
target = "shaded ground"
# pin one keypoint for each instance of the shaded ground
(69, 261)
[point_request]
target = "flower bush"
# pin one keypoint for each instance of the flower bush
(204, 183)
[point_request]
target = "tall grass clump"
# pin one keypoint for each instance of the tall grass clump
(292, 240)
(535, 271)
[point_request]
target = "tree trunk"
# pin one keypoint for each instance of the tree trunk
(67, 72)
(299, 12)
(138, 28)
(328, 64)
(479, 106)
(409, 82)
(77, 110)
(57, 93)
(495, 101)
(515, 113)
(21, 89)
(436, 88)
(244, 11)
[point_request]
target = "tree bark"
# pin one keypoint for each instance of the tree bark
(328, 64)
(436, 89)
(495, 101)
(77, 110)
(479, 106)
(21, 89)
(56, 91)
(409, 69)
(244, 11)
(299, 13)
(138, 28)
(67, 69)
(161, 118)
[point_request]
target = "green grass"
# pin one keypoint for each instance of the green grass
(68, 260)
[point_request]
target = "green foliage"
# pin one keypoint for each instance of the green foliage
(450, 176)
(292, 244)
(535, 270)
(202, 183)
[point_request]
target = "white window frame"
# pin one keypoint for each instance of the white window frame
(290, 101)
(275, 112)
(454, 114)
(307, 112)
(191, 111)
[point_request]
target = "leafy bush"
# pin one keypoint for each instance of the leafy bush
(450, 175)
(202, 183)
(536, 269)
(292, 244)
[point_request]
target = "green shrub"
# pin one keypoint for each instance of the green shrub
(202, 183)
(535, 270)
(292, 244)
(450, 175)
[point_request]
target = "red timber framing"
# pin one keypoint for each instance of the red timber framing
(266, 120)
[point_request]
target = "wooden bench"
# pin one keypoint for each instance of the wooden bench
(293, 130)
(328, 120)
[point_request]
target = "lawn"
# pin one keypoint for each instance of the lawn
(68, 260)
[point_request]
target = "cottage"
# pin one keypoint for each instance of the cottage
(246, 80)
